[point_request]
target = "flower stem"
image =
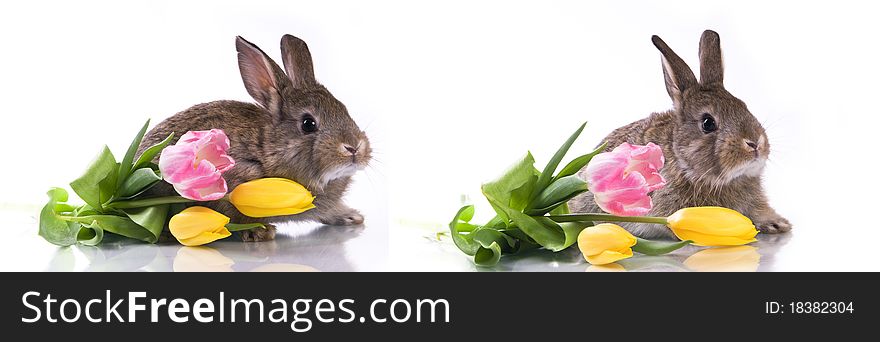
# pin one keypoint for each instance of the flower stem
(234, 227)
(606, 217)
(148, 202)
(651, 247)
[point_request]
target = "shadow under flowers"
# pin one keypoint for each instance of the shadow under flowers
(321, 248)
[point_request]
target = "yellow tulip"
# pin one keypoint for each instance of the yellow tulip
(271, 197)
(196, 226)
(605, 243)
(712, 226)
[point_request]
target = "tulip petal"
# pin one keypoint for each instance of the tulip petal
(271, 192)
(701, 239)
(212, 147)
(208, 191)
(268, 212)
(175, 161)
(605, 243)
(625, 202)
(712, 226)
(603, 171)
(604, 236)
(205, 237)
(193, 221)
(621, 180)
(607, 257)
(271, 197)
(721, 221)
(194, 165)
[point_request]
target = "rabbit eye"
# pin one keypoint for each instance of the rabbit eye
(708, 124)
(309, 125)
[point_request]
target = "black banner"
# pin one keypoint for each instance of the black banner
(461, 306)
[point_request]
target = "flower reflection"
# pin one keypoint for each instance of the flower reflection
(201, 259)
(612, 267)
(284, 268)
(725, 259)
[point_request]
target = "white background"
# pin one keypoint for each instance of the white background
(450, 92)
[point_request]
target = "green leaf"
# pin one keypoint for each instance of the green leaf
(150, 218)
(556, 194)
(487, 236)
(90, 234)
(63, 208)
(139, 180)
(146, 158)
(651, 247)
(547, 174)
(513, 189)
(543, 231)
(578, 163)
(53, 228)
(561, 210)
(85, 210)
(551, 229)
(461, 224)
(120, 225)
(488, 256)
(519, 197)
(572, 230)
(89, 186)
(496, 222)
(524, 242)
(126, 166)
(107, 187)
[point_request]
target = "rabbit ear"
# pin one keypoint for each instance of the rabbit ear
(262, 78)
(711, 63)
(676, 72)
(297, 61)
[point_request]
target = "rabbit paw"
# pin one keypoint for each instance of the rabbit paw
(259, 234)
(773, 225)
(346, 217)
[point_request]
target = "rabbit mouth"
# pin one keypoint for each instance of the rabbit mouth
(347, 170)
(750, 168)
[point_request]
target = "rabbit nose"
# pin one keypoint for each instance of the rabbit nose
(350, 149)
(752, 144)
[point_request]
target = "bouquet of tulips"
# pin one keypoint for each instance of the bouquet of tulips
(115, 197)
(532, 212)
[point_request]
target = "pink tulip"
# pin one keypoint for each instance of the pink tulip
(620, 180)
(194, 165)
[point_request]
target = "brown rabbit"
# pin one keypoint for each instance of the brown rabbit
(296, 130)
(715, 149)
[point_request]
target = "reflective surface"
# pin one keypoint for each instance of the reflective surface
(297, 247)
(320, 248)
(409, 246)
(306, 248)
(808, 248)
(759, 256)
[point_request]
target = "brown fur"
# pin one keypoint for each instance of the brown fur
(701, 169)
(266, 139)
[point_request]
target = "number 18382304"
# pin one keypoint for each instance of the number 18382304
(806, 307)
